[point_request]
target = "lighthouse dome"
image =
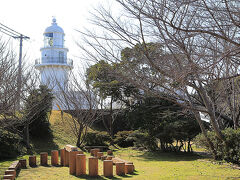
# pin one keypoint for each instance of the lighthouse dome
(54, 28)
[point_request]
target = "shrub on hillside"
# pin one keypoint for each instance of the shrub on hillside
(97, 138)
(120, 139)
(228, 150)
(143, 140)
(37, 107)
(10, 144)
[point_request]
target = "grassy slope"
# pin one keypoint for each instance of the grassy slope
(61, 134)
(148, 165)
(61, 131)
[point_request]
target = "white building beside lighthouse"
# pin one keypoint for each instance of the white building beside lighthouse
(54, 66)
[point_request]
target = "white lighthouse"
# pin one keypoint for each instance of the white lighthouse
(54, 66)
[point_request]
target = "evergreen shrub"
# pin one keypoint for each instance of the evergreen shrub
(37, 108)
(11, 144)
(143, 140)
(228, 150)
(97, 138)
(120, 139)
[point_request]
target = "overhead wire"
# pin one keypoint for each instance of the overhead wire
(7, 34)
(12, 32)
(15, 32)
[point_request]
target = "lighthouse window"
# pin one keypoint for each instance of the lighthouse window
(48, 39)
(61, 57)
(49, 34)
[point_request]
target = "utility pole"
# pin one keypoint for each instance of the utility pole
(19, 79)
(16, 35)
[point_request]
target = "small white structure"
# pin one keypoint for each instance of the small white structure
(54, 66)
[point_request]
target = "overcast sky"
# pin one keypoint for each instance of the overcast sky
(31, 17)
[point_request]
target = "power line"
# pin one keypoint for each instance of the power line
(4, 30)
(6, 33)
(11, 32)
(14, 34)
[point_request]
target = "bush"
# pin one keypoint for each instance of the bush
(163, 121)
(11, 145)
(37, 107)
(97, 138)
(143, 139)
(228, 150)
(120, 139)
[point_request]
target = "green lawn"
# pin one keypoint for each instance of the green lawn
(149, 166)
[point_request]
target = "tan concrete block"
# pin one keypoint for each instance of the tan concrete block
(32, 161)
(43, 158)
(62, 156)
(23, 163)
(54, 157)
(80, 164)
(93, 166)
(120, 168)
(108, 168)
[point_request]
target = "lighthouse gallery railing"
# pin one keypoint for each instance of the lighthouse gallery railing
(55, 60)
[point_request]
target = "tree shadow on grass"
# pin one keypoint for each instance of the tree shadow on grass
(90, 177)
(124, 176)
(101, 177)
(169, 156)
(44, 144)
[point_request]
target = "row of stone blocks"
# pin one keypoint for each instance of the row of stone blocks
(12, 170)
(22, 163)
(121, 167)
(44, 159)
(77, 163)
(10, 174)
(76, 160)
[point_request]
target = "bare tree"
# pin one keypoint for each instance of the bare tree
(8, 75)
(12, 118)
(79, 100)
(200, 43)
